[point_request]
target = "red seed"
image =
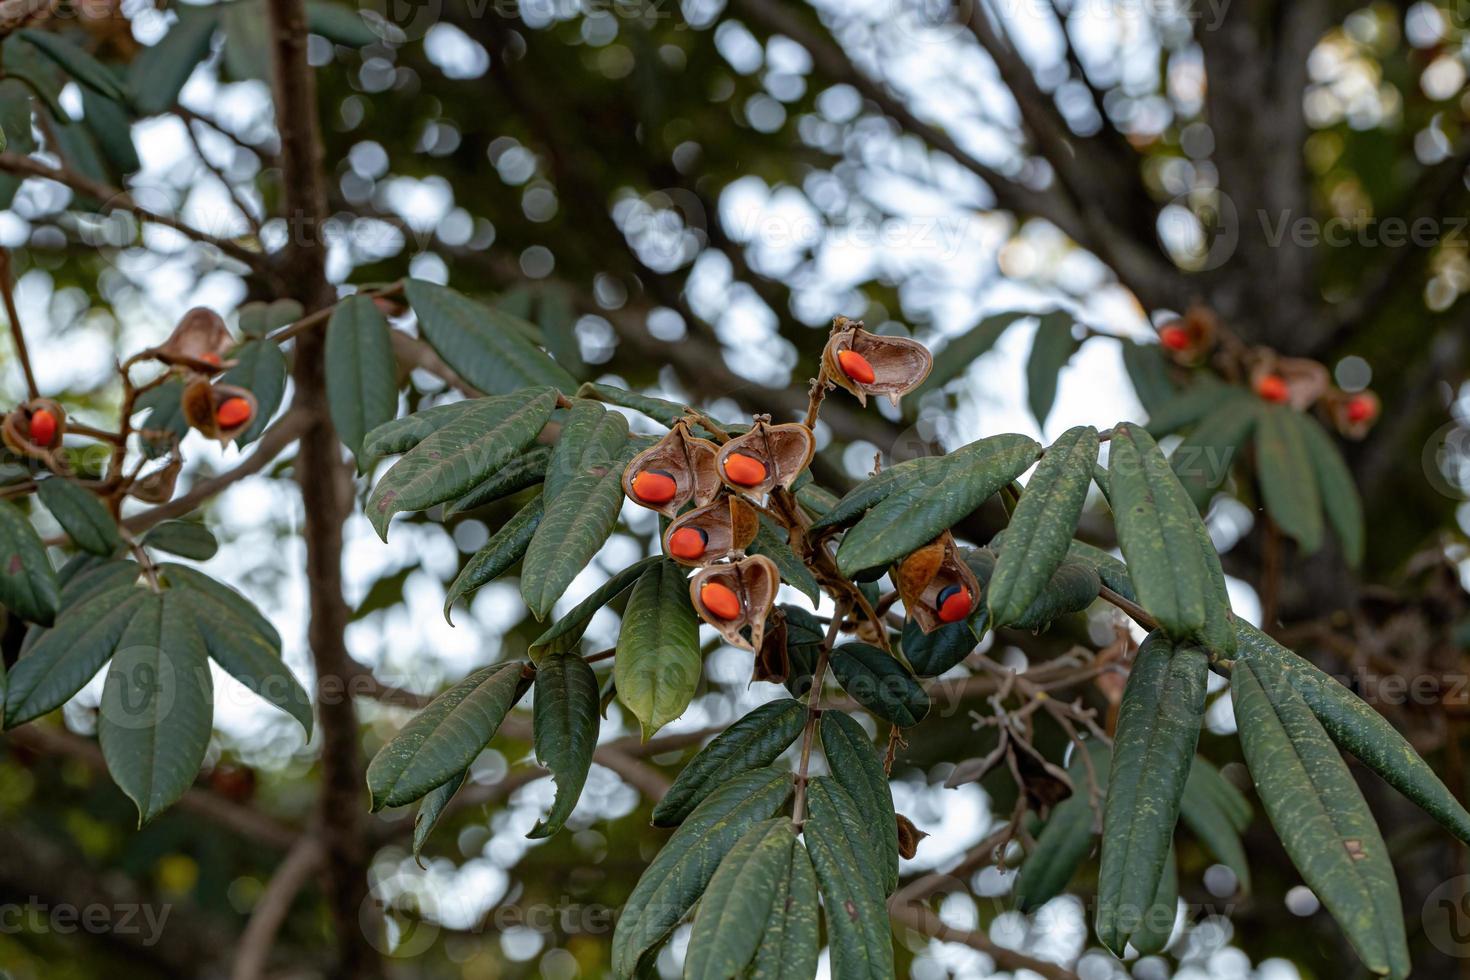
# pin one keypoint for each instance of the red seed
(655, 486)
(1273, 388)
(688, 543)
(954, 604)
(746, 471)
(210, 357)
(1361, 409)
(43, 427)
(1174, 338)
(720, 600)
(856, 367)
(232, 413)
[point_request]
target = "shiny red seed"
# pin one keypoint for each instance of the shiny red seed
(43, 427)
(1174, 338)
(1361, 409)
(1273, 388)
(654, 487)
(232, 412)
(954, 604)
(688, 543)
(211, 358)
(856, 367)
(720, 600)
(744, 470)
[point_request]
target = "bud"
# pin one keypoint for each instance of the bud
(35, 430)
(1295, 381)
(711, 533)
(936, 586)
(675, 470)
(200, 342)
(766, 457)
(737, 596)
(219, 411)
(871, 364)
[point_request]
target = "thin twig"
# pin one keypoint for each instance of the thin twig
(813, 713)
(18, 335)
(290, 876)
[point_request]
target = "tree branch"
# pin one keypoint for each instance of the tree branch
(291, 875)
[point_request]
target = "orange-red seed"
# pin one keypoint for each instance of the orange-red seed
(43, 427)
(720, 600)
(654, 487)
(1361, 409)
(747, 471)
(210, 357)
(1174, 338)
(1273, 388)
(954, 604)
(856, 367)
(232, 412)
(688, 543)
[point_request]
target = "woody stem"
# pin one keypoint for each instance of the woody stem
(813, 713)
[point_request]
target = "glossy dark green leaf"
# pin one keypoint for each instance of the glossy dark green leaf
(81, 515)
(1335, 484)
(76, 62)
(1204, 458)
(1319, 813)
(1203, 395)
(657, 665)
(402, 434)
(660, 410)
(16, 117)
(566, 633)
(858, 933)
(479, 344)
(505, 547)
(956, 356)
(112, 127)
(805, 635)
(738, 902)
(444, 738)
(591, 438)
(340, 23)
(818, 501)
(878, 682)
(789, 943)
(753, 742)
(1149, 373)
(28, 584)
(237, 606)
(187, 539)
(931, 654)
(565, 728)
(1071, 589)
(430, 810)
(1153, 933)
(261, 371)
(1209, 810)
(524, 471)
(772, 541)
(1287, 477)
(1158, 727)
(158, 74)
(24, 62)
(362, 376)
(857, 768)
(164, 424)
(557, 318)
(924, 470)
(1051, 349)
(1112, 571)
(677, 877)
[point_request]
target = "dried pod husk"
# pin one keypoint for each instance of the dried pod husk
(201, 404)
(926, 573)
(754, 581)
(782, 450)
(1306, 380)
(157, 486)
(200, 342)
(688, 460)
(728, 523)
(1187, 339)
(19, 436)
(1353, 414)
(909, 837)
(772, 660)
(899, 365)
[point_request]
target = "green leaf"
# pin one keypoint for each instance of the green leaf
(451, 461)
(1319, 813)
(81, 515)
(401, 435)
(677, 877)
(660, 410)
(157, 708)
(480, 343)
(158, 74)
(959, 353)
(259, 318)
(1153, 933)
(738, 901)
(1050, 351)
(261, 371)
(772, 541)
(77, 147)
(247, 51)
(856, 767)
(857, 917)
(1203, 459)
(1213, 820)
(876, 489)
(916, 512)
(1158, 727)
(231, 602)
(558, 320)
(1065, 842)
(1149, 373)
(444, 738)
(340, 24)
(880, 683)
(575, 527)
(1193, 403)
(931, 654)
(112, 127)
(566, 633)
(1041, 528)
(165, 417)
(753, 742)
(24, 62)
(77, 63)
(1072, 588)
(1354, 725)
(183, 538)
(657, 666)
(362, 376)
(28, 584)
(565, 728)
(524, 471)
(15, 117)
(789, 944)
(505, 547)
(591, 438)
(1155, 522)
(1112, 572)
(1288, 480)
(1218, 633)
(818, 501)
(430, 810)
(1335, 483)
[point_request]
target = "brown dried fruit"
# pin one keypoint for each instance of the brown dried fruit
(683, 458)
(766, 457)
(157, 486)
(891, 366)
(203, 401)
(1187, 339)
(753, 582)
(1306, 380)
(925, 579)
(727, 527)
(35, 430)
(909, 837)
(200, 342)
(773, 660)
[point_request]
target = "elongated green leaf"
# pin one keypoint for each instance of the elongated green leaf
(657, 665)
(444, 738)
(1193, 403)
(574, 528)
(24, 62)
(262, 371)
(1354, 725)
(738, 901)
(1041, 527)
(112, 127)
(1067, 839)
(878, 682)
(164, 424)
(558, 320)
(857, 917)
(28, 585)
(1207, 814)
(524, 471)
(451, 461)
(660, 410)
(1288, 480)
(1153, 933)
(677, 877)
(591, 438)
(231, 601)
(247, 52)
(340, 23)
(187, 539)
(956, 356)
(1319, 813)
(401, 435)
(566, 633)
(362, 376)
(1158, 727)
(931, 654)
(481, 343)
(157, 706)
(1149, 373)
(505, 547)
(430, 810)
(1335, 483)
(15, 117)
(789, 944)
(565, 726)
(1050, 351)
(1203, 460)
(773, 542)
(77, 63)
(753, 742)
(874, 490)
(1155, 522)
(1218, 633)
(818, 501)
(81, 515)
(857, 768)
(914, 513)
(1072, 588)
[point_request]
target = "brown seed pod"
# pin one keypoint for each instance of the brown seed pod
(766, 457)
(749, 586)
(35, 429)
(686, 461)
(1353, 414)
(773, 660)
(926, 579)
(892, 366)
(909, 837)
(215, 410)
(1305, 380)
(200, 343)
(157, 486)
(1187, 339)
(718, 530)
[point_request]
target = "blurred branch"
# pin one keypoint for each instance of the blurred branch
(923, 919)
(7, 291)
(291, 875)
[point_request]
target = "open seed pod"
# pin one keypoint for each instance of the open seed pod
(677, 469)
(157, 485)
(1353, 414)
(736, 595)
(35, 428)
(772, 661)
(871, 364)
(200, 342)
(1187, 339)
(1295, 381)
(766, 457)
(219, 411)
(937, 587)
(718, 530)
